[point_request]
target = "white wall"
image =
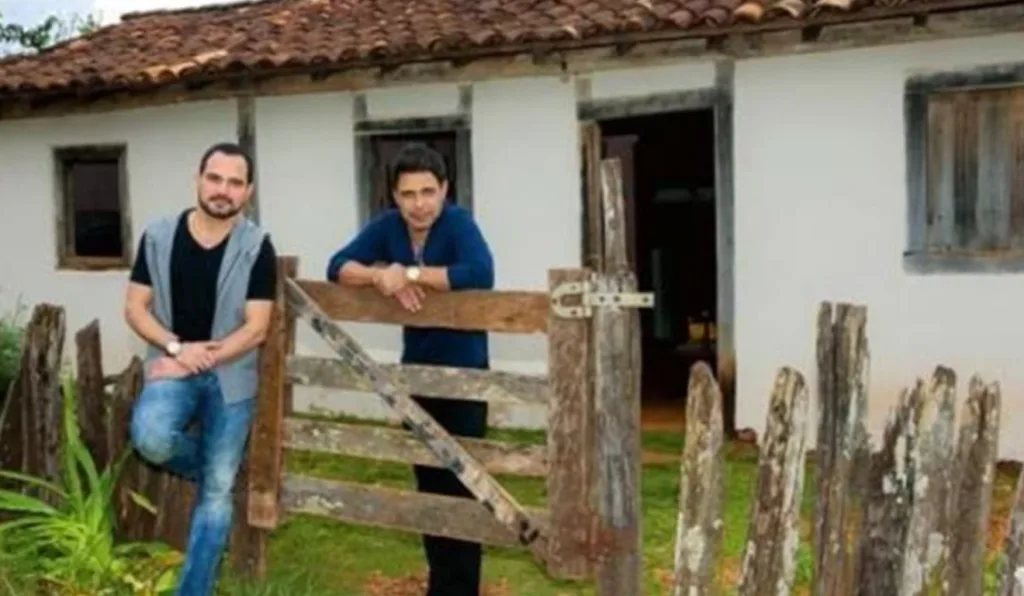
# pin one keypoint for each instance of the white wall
(820, 199)
(164, 147)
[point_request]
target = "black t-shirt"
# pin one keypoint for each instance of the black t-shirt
(194, 272)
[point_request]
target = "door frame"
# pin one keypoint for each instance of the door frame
(719, 99)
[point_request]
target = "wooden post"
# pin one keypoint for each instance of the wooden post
(927, 527)
(617, 406)
(570, 439)
(699, 530)
(890, 498)
(841, 443)
(1012, 567)
(91, 400)
(259, 482)
(975, 471)
(266, 447)
(769, 560)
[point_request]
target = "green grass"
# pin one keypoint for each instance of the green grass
(310, 555)
(314, 556)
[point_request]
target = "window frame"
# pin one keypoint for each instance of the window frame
(918, 257)
(368, 130)
(65, 156)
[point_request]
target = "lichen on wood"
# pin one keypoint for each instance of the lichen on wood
(890, 499)
(926, 543)
(842, 443)
(699, 529)
(972, 498)
(769, 560)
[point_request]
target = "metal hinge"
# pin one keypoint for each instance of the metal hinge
(589, 298)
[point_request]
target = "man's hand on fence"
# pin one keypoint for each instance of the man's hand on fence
(390, 280)
(411, 297)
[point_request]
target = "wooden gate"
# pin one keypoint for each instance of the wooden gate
(590, 466)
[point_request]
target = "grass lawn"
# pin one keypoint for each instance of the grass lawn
(311, 555)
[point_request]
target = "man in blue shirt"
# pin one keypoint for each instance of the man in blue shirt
(426, 244)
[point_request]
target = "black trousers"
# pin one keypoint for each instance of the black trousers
(454, 565)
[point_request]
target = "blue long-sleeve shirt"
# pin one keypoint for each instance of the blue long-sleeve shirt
(454, 242)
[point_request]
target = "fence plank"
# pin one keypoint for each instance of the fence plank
(266, 447)
(890, 497)
(975, 471)
(430, 381)
(93, 409)
(39, 393)
(1011, 572)
(479, 483)
(842, 443)
(926, 543)
(420, 513)
(699, 530)
(616, 340)
(769, 560)
(570, 439)
(471, 310)
(399, 446)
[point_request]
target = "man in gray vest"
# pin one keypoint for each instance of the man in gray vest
(201, 294)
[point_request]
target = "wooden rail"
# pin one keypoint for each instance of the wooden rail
(470, 310)
(428, 381)
(388, 444)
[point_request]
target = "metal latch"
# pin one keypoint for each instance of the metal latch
(589, 298)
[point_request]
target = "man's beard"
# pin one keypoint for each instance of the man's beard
(207, 209)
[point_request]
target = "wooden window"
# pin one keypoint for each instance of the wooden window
(380, 143)
(966, 173)
(93, 229)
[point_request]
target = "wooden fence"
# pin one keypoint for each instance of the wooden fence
(31, 431)
(907, 518)
(591, 458)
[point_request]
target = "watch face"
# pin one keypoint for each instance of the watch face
(173, 348)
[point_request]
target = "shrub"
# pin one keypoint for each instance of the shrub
(65, 543)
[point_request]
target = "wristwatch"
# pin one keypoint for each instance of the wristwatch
(173, 348)
(412, 274)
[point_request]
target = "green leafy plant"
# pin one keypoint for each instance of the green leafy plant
(12, 333)
(62, 536)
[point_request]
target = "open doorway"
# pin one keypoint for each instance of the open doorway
(668, 171)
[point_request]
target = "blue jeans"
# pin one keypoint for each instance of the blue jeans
(158, 431)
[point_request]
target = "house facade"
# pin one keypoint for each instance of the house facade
(759, 183)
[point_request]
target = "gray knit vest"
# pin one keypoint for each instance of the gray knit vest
(239, 378)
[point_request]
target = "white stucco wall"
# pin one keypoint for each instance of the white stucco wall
(820, 199)
(305, 149)
(164, 147)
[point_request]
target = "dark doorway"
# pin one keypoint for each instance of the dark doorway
(668, 170)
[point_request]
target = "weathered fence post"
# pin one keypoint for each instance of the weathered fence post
(890, 498)
(259, 485)
(570, 438)
(842, 446)
(972, 504)
(769, 560)
(1011, 572)
(93, 409)
(925, 543)
(699, 527)
(31, 427)
(617, 406)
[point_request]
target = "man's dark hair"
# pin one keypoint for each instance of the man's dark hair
(418, 157)
(228, 149)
